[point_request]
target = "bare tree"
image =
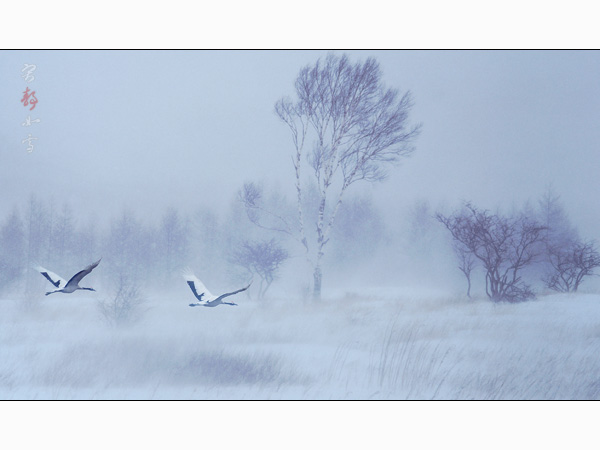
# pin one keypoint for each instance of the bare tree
(128, 248)
(263, 258)
(568, 259)
(570, 265)
(503, 245)
(36, 236)
(172, 242)
(87, 241)
(12, 249)
(208, 241)
(353, 127)
(61, 240)
(466, 263)
(554, 218)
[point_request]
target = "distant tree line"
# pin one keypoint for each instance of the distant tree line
(222, 248)
(41, 233)
(512, 254)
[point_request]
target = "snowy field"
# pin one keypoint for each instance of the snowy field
(387, 346)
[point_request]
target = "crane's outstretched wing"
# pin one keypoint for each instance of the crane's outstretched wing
(221, 297)
(57, 281)
(197, 287)
(79, 275)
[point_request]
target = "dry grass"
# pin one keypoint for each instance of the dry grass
(347, 348)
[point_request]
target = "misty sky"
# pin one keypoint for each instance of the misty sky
(148, 129)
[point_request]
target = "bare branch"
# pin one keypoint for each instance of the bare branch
(251, 196)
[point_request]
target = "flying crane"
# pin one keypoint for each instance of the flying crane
(205, 298)
(67, 287)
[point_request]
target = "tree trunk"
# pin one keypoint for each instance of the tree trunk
(468, 285)
(317, 276)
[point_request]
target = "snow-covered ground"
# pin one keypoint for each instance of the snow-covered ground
(389, 345)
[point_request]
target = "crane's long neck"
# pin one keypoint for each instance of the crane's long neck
(87, 289)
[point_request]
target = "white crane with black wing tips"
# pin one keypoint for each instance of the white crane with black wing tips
(67, 287)
(205, 298)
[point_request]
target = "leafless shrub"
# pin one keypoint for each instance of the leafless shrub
(263, 258)
(126, 306)
(570, 265)
(503, 245)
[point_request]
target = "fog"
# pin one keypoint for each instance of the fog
(141, 158)
(154, 129)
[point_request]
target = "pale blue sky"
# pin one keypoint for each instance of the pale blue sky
(153, 128)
